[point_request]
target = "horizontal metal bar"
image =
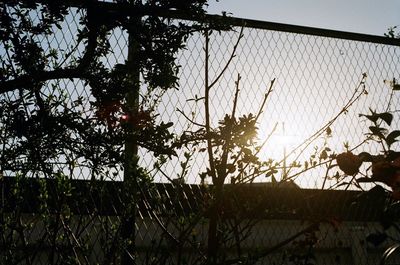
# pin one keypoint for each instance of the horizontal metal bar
(127, 9)
(265, 25)
(311, 31)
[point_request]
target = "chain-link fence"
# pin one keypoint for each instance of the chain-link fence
(315, 77)
(84, 220)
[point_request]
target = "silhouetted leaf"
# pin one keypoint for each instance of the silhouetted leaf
(231, 168)
(377, 131)
(396, 87)
(392, 155)
(328, 131)
(323, 155)
(391, 138)
(373, 117)
(365, 157)
(387, 117)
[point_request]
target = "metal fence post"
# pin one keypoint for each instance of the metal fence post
(131, 150)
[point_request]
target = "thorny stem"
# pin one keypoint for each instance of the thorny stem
(184, 234)
(155, 216)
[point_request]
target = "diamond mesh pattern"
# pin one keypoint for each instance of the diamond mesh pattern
(314, 76)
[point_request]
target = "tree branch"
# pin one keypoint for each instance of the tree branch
(233, 54)
(80, 71)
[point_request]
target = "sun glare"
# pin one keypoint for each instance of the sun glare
(279, 143)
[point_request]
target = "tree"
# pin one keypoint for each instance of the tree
(48, 121)
(48, 133)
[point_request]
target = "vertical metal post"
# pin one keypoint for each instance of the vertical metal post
(130, 189)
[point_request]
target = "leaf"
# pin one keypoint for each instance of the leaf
(387, 117)
(271, 174)
(365, 157)
(323, 155)
(378, 131)
(273, 179)
(391, 138)
(392, 155)
(372, 117)
(168, 124)
(396, 87)
(231, 168)
(328, 131)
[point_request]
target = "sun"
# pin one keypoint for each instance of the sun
(278, 142)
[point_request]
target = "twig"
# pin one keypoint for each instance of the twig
(235, 99)
(266, 95)
(306, 143)
(189, 119)
(233, 54)
(76, 72)
(207, 109)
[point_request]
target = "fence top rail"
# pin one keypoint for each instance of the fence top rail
(266, 25)
(127, 9)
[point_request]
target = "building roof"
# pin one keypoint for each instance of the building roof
(261, 201)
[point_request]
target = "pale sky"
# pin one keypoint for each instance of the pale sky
(361, 16)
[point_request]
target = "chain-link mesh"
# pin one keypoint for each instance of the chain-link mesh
(315, 77)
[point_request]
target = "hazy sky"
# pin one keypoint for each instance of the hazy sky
(362, 16)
